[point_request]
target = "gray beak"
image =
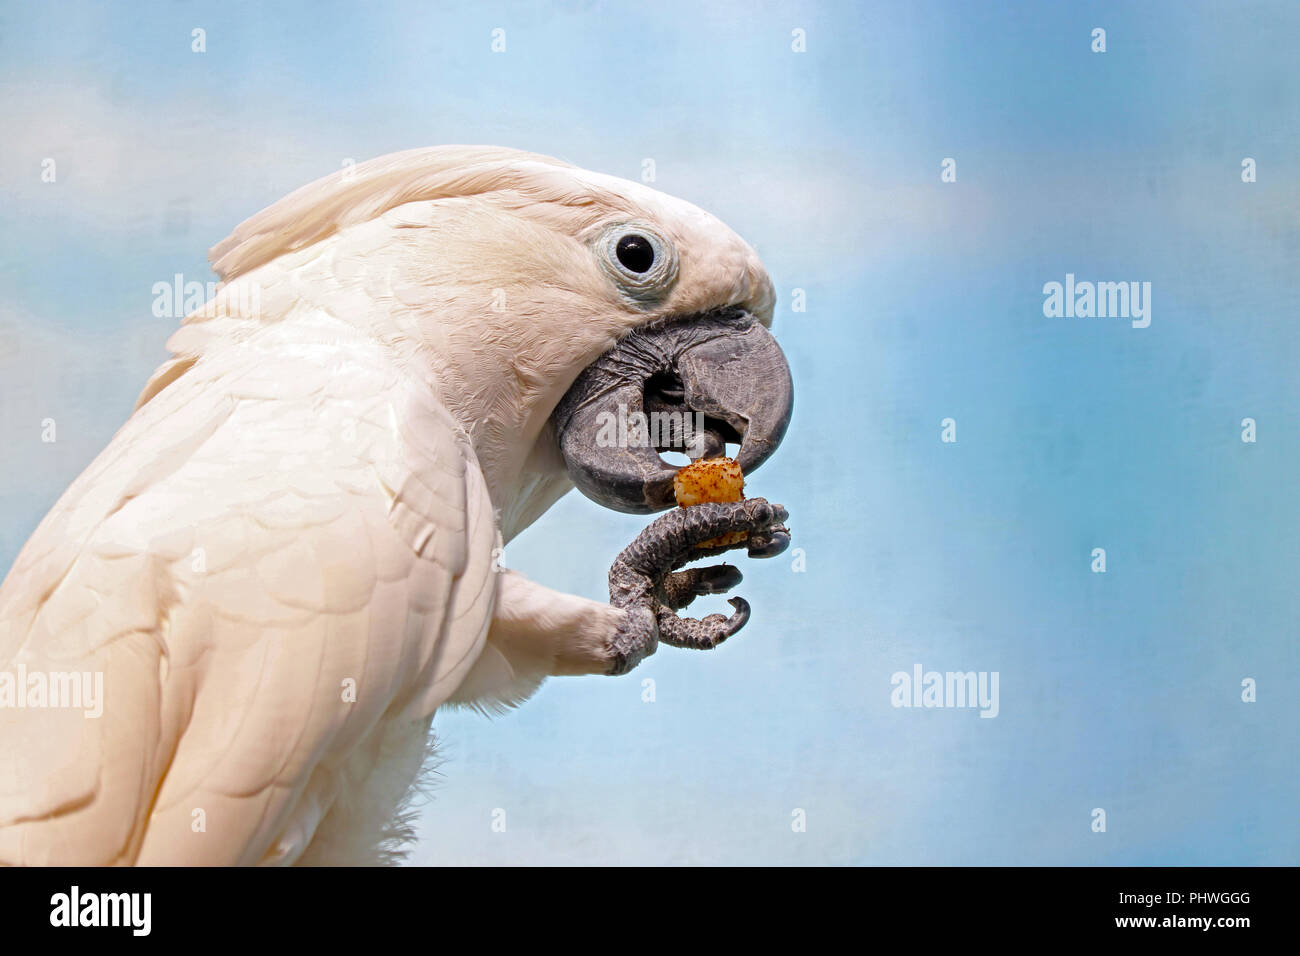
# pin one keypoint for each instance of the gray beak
(689, 385)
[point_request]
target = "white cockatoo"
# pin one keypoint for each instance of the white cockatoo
(285, 561)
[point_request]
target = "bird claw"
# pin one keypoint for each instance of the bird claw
(679, 588)
(645, 581)
(769, 543)
(701, 634)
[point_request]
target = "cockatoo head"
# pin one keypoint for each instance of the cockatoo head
(545, 304)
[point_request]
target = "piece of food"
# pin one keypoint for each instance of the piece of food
(711, 479)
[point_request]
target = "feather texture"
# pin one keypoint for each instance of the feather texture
(262, 580)
(283, 563)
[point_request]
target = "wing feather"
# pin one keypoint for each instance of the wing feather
(285, 549)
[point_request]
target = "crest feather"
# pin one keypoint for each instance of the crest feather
(368, 190)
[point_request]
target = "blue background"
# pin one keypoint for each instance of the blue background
(1119, 691)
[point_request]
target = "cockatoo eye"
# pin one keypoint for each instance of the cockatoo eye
(639, 259)
(636, 253)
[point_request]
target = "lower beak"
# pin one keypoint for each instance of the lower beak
(689, 385)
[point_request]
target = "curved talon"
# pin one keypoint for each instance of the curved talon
(769, 543)
(717, 579)
(679, 589)
(705, 633)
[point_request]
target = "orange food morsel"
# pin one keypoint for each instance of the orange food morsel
(711, 479)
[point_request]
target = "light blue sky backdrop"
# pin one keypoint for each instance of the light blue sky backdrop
(924, 301)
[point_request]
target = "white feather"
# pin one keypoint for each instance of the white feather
(306, 502)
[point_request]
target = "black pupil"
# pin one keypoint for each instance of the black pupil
(636, 253)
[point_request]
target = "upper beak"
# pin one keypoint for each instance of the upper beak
(688, 385)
